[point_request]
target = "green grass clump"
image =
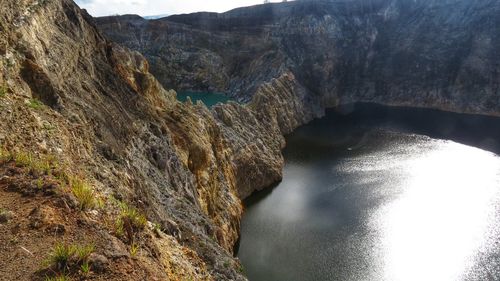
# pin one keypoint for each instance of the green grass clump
(132, 216)
(65, 257)
(134, 249)
(57, 278)
(35, 104)
(83, 193)
(119, 228)
(23, 159)
(60, 256)
(85, 268)
(129, 222)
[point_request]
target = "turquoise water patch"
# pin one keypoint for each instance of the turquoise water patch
(209, 99)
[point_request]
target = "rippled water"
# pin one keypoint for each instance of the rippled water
(209, 99)
(375, 194)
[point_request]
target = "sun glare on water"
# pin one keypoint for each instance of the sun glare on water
(443, 217)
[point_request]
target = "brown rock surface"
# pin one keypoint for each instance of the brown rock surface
(69, 94)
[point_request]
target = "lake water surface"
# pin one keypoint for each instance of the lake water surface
(209, 99)
(375, 193)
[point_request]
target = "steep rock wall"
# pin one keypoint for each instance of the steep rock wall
(93, 105)
(426, 53)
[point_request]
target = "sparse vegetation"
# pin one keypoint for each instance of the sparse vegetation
(82, 253)
(134, 249)
(66, 258)
(23, 159)
(119, 229)
(44, 164)
(85, 268)
(83, 193)
(60, 256)
(3, 91)
(62, 277)
(39, 183)
(131, 215)
(5, 155)
(129, 222)
(48, 127)
(35, 104)
(157, 228)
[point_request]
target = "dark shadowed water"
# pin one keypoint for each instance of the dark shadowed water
(209, 99)
(376, 193)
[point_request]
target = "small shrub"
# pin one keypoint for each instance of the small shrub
(83, 193)
(35, 104)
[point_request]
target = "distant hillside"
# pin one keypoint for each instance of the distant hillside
(439, 54)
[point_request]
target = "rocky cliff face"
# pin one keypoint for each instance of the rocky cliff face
(438, 54)
(90, 141)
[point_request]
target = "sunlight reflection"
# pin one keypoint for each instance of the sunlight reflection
(433, 230)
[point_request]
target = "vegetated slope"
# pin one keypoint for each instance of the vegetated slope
(439, 54)
(96, 155)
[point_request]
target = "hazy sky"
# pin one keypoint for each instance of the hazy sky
(156, 7)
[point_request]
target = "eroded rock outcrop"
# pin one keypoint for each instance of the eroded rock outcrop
(69, 95)
(92, 105)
